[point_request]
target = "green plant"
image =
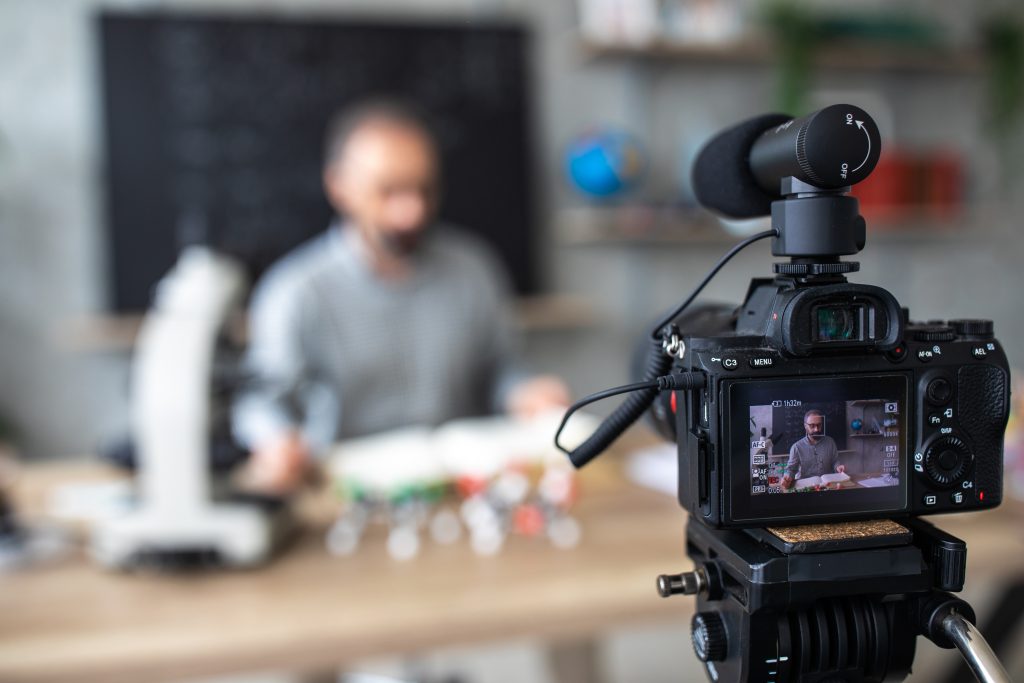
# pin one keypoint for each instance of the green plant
(1003, 39)
(797, 37)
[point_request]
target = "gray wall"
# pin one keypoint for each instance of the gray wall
(52, 238)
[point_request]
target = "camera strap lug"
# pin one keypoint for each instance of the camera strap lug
(672, 343)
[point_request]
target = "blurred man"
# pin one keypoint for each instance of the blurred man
(387, 319)
(815, 454)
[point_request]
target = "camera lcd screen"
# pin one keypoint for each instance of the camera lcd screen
(818, 447)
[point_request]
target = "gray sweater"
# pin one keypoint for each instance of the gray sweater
(813, 460)
(339, 353)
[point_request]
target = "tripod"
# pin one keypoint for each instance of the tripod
(827, 603)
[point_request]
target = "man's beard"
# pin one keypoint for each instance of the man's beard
(403, 244)
(814, 438)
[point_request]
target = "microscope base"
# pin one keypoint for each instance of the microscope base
(232, 535)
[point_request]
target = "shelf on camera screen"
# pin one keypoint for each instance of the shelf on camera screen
(886, 434)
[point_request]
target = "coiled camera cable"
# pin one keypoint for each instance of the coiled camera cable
(655, 379)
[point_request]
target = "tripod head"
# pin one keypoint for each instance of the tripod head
(827, 603)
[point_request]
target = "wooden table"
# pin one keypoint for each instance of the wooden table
(307, 611)
(310, 611)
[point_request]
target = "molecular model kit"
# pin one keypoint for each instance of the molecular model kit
(483, 478)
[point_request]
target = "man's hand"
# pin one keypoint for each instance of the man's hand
(787, 481)
(536, 395)
(278, 466)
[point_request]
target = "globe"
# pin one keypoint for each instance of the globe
(605, 163)
(856, 424)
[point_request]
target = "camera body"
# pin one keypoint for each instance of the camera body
(823, 404)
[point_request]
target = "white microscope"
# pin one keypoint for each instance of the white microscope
(180, 511)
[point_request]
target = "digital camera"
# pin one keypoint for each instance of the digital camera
(823, 404)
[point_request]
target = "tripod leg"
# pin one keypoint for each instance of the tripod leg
(975, 650)
(948, 621)
(1000, 626)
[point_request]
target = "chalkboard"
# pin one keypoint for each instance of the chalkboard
(214, 132)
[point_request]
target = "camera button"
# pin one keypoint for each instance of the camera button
(925, 355)
(897, 354)
(757, 362)
(935, 419)
(957, 498)
(930, 499)
(730, 362)
(939, 391)
(981, 352)
(947, 460)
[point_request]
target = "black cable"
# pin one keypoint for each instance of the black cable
(581, 455)
(592, 398)
(657, 364)
(656, 332)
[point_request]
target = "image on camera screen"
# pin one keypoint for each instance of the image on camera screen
(798, 446)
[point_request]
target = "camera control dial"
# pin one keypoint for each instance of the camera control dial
(979, 329)
(935, 333)
(710, 641)
(946, 460)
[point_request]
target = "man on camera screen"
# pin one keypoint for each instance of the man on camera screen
(815, 454)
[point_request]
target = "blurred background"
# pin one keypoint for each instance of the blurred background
(129, 129)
